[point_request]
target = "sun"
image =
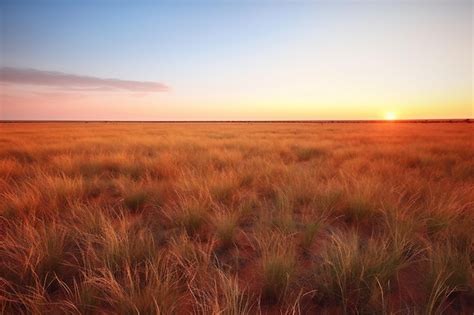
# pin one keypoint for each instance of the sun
(390, 116)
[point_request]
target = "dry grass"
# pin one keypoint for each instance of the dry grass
(236, 218)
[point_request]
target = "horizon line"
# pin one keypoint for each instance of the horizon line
(428, 120)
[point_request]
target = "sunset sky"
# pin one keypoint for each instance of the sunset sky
(236, 60)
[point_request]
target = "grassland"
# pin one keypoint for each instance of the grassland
(236, 218)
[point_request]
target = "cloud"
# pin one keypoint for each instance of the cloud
(72, 82)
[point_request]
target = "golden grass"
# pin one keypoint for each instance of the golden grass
(241, 218)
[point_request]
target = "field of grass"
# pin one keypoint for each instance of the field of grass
(130, 218)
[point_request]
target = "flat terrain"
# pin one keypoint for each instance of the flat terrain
(236, 218)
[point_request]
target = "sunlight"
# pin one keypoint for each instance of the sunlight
(390, 116)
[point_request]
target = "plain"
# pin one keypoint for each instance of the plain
(236, 218)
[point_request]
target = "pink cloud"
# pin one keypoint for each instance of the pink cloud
(72, 82)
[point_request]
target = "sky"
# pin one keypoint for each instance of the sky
(235, 60)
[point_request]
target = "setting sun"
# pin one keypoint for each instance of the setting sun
(390, 116)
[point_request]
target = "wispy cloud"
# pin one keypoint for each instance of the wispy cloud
(72, 82)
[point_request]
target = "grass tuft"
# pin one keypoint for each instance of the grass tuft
(307, 153)
(135, 201)
(226, 223)
(278, 263)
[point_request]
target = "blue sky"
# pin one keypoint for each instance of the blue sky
(243, 60)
